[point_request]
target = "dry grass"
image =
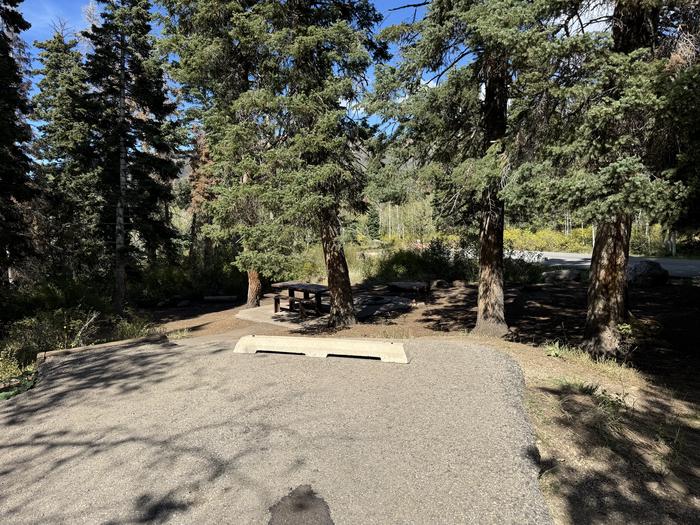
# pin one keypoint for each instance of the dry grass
(611, 368)
(181, 333)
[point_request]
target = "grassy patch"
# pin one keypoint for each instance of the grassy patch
(182, 333)
(131, 329)
(610, 367)
(602, 411)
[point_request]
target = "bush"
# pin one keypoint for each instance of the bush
(522, 270)
(438, 260)
(644, 240)
(648, 241)
(131, 328)
(441, 259)
(46, 331)
(579, 240)
(59, 329)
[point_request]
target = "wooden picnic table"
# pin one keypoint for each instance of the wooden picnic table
(307, 289)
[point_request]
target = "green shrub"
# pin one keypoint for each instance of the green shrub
(644, 240)
(9, 367)
(131, 329)
(309, 266)
(648, 240)
(59, 329)
(548, 240)
(159, 283)
(46, 331)
(520, 270)
(440, 260)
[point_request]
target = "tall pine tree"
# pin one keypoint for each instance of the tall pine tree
(213, 42)
(448, 100)
(275, 81)
(72, 203)
(15, 165)
(325, 53)
(129, 109)
(595, 115)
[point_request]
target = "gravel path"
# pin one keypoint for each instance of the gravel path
(189, 432)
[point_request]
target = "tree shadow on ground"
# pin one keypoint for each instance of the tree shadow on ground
(105, 368)
(641, 460)
(544, 313)
(137, 452)
(670, 353)
(455, 309)
(452, 310)
(664, 317)
(179, 313)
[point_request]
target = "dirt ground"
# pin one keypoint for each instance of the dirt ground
(618, 444)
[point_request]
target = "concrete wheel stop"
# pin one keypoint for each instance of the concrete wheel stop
(386, 351)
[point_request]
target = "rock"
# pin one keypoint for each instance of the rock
(554, 276)
(646, 273)
(440, 283)
(183, 303)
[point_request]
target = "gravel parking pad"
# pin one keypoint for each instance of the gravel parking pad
(189, 432)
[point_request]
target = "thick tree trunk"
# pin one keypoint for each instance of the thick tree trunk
(491, 319)
(634, 27)
(254, 289)
(342, 309)
(120, 229)
(607, 290)
(491, 306)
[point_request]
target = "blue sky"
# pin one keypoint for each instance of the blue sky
(43, 13)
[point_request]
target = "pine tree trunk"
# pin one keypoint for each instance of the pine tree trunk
(491, 319)
(254, 284)
(491, 305)
(607, 290)
(342, 309)
(120, 230)
(634, 27)
(192, 255)
(254, 289)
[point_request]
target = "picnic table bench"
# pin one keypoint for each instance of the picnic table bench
(304, 302)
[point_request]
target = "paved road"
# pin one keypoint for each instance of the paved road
(192, 433)
(676, 267)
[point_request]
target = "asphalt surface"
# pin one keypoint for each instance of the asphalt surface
(189, 432)
(676, 267)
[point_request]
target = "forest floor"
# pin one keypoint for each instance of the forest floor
(617, 443)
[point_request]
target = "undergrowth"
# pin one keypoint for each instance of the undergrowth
(445, 259)
(23, 340)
